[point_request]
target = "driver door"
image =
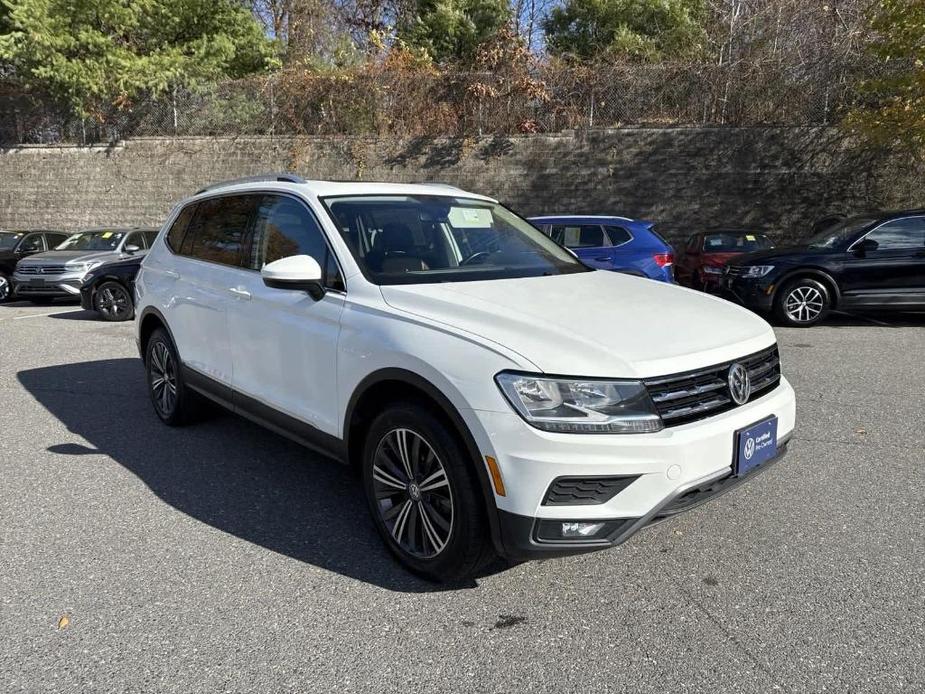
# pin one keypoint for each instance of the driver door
(283, 342)
(887, 266)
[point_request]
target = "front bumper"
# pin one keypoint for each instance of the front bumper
(521, 540)
(756, 294)
(666, 466)
(67, 284)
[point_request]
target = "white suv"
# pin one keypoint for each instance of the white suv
(495, 395)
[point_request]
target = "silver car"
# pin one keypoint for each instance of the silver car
(45, 276)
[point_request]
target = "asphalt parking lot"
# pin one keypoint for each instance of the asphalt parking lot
(222, 557)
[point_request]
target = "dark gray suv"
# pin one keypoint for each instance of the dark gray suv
(45, 276)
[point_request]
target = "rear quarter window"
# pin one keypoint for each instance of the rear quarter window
(177, 230)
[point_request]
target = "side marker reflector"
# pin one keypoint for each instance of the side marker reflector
(495, 475)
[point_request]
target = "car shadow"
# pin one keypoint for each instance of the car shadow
(224, 471)
(78, 314)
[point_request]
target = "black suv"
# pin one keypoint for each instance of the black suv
(16, 245)
(868, 262)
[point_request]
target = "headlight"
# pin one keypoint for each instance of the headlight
(757, 270)
(84, 267)
(708, 270)
(581, 406)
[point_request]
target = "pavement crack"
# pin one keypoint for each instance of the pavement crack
(730, 636)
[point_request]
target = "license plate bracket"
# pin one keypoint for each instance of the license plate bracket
(755, 445)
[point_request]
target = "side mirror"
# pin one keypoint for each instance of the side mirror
(299, 272)
(866, 246)
(131, 248)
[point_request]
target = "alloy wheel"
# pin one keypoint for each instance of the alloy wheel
(163, 376)
(113, 302)
(804, 304)
(413, 494)
(4, 288)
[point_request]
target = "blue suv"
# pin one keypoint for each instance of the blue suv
(612, 243)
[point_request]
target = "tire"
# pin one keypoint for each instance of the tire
(802, 303)
(443, 536)
(172, 400)
(6, 288)
(113, 301)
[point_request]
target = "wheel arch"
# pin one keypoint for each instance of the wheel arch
(812, 273)
(150, 320)
(393, 385)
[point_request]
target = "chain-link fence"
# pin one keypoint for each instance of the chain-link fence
(376, 101)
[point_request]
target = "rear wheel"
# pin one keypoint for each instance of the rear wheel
(113, 302)
(802, 303)
(6, 288)
(423, 495)
(173, 402)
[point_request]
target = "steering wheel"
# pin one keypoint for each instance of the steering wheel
(471, 260)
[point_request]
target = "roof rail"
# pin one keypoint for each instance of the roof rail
(283, 177)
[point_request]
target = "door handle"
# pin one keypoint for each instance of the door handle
(172, 275)
(240, 293)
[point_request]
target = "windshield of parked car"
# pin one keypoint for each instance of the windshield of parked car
(735, 242)
(8, 240)
(92, 241)
(417, 239)
(837, 235)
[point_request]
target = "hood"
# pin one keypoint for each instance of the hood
(782, 253)
(602, 324)
(69, 257)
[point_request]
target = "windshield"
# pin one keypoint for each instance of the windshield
(92, 241)
(401, 239)
(837, 235)
(8, 240)
(735, 242)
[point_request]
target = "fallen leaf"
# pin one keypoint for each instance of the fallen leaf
(63, 621)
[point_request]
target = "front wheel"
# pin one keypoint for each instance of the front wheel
(114, 302)
(802, 303)
(6, 288)
(423, 494)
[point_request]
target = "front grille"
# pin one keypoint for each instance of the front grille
(694, 395)
(585, 491)
(41, 269)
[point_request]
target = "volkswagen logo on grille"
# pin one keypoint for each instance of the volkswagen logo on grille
(740, 387)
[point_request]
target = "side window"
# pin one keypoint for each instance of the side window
(32, 243)
(285, 227)
(900, 234)
(134, 239)
(150, 236)
(584, 236)
(217, 232)
(619, 236)
(178, 229)
(53, 240)
(557, 233)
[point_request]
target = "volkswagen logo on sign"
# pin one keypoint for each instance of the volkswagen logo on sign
(740, 387)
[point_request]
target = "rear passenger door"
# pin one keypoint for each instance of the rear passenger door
(284, 343)
(587, 241)
(204, 277)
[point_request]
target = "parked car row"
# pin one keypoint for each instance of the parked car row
(97, 265)
(862, 263)
(872, 262)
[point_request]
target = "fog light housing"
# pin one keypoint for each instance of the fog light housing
(578, 530)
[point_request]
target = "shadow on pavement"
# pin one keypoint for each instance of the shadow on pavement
(224, 471)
